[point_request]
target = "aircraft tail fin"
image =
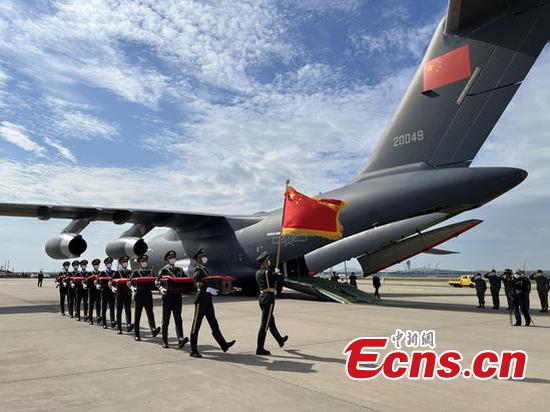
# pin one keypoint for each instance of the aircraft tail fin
(478, 57)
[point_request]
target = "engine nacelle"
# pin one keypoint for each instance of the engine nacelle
(66, 245)
(129, 246)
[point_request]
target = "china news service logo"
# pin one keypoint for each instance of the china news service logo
(366, 362)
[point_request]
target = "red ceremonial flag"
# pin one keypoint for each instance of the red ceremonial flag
(447, 68)
(311, 216)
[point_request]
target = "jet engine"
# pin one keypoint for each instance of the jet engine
(129, 246)
(66, 245)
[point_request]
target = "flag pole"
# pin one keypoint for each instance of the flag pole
(287, 181)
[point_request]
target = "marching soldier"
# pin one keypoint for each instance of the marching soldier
(494, 285)
(71, 288)
(81, 295)
(520, 288)
(94, 296)
(171, 301)
(107, 295)
(61, 282)
(481, 287)
(542, 288)
(204, 307)
(143, 299)
(267, 278)
(123, 296)
(506, 279)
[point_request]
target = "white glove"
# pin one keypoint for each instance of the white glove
(113, 289)
(98, 287)
(162, 290)
(212, 291)
(277, 271)
(85, 286)
(133, 288)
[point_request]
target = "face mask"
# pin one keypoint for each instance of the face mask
(143, 264)
(96, 268)
(204, 260)
(75, 267)
(108, 266)
(65, 268)
(84, 267)
(124, 265)
(172, 261)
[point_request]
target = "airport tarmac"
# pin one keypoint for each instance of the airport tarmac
(53, 363)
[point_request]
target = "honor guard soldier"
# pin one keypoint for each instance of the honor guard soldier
(481, 287)
(267, 278)
(81, 295)
(204, 307)
(71, 288)
(520, 288)
(123, 296)
(107, 295)
(94, 296)
(542, 288)
(143, 299)
(61, 282)
(171, 300)
(506, 279)
(494, 286)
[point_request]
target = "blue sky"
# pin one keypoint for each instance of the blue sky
(208, 106)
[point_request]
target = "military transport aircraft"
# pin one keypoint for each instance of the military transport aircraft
(418, 176)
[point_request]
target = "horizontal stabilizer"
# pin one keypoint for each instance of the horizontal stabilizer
(434, 251)
(407, 248)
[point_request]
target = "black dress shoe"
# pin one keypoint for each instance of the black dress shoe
(137, 339)
(182, 342)
(263, 352)
(119, 332)
(165, 345)
(105, 327)
(517, 324)
(130, 328)
(91, 322)
(283, 340)
(195, 355)
(78, 319)
(228, 345)
(155, 332)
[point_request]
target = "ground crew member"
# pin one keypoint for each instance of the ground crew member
(204, 307)
(81, 295)
(267, 279)
(123, 296)
(376, 285)
(71, 288)
(481, 287)
(353, 280)
(94, 296)
(61, 281)
(334, 277)
(506, 279)
(542, 288)
(107, 295)
(143, 299)
(520, 288)
(171, 301)
(40, 278)
(494, 286)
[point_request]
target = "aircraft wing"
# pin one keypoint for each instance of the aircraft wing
(465, 13)
(185, 221)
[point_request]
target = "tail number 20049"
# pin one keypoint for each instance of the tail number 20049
(408, 138)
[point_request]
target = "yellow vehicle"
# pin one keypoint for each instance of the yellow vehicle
(463, 282)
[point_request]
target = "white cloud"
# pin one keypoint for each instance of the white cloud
(15, 134)
(80, 125)
(63, 151)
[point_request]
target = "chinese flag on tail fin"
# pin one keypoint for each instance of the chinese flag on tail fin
(447, 68)
(311, 216)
